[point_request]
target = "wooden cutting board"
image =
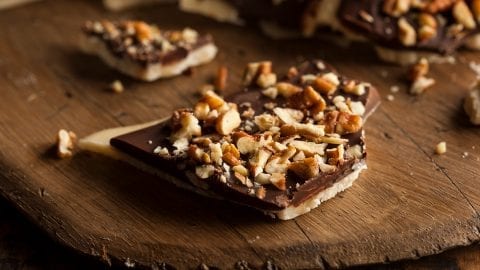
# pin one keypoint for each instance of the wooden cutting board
(409, 203)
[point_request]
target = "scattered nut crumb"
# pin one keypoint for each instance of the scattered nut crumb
(394, 89)
(117, 86)
(441, 148)
(65, 143)
(390, 97)
(472, 106)
(465, 154)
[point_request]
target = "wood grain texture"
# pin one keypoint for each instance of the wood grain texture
(410, 203)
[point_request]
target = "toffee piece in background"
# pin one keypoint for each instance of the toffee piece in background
(282, 147)
(144, 51)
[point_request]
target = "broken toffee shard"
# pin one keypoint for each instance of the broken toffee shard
(144, 51)
(282, 147)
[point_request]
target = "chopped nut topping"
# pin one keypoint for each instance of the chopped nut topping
(305, 169)
(65, 143)
(189, 127)
(253, 71)
(342, 122)
(428, 27)
(271, 92)
(213, 100)
(396, 8)
(407, 34)
(287, 90)
(266, 80)
(299, 132)
(228, 121)
(463, 15)
(204, 171)
(278, 180)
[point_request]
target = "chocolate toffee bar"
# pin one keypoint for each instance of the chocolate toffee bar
(404, 30)
(117, 5)
(144, 51)
(278, 19)
(282, 147)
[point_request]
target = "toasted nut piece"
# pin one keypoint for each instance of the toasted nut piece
(441, 148)
(65, 143)
(292, 72)
(247, 144)
(287, 90)
(356, 107)
(287, 154)
(201, 110)
(348, 123)
(213, 100)
(189, 127)
(311, 96)
(463, 15)
(221, 79)
(274, 166)
(436, 6)
(418, 70)
(342, 122)
(472, 106)
(420, 85)
(305, 169)
(161, 151)
(266, 80)
(254, 69)
(355, 151)
(216, 153)
(117, 86)
(309, 148)
(243, 179)
(476, 9)
(428, 27)
(143, 31)
(396, 8)
(263, 178)
(406, 34)
(195, 152)
(324, 85)
(271, 92)
(357, 89)
(204, 171)
(265, 121)
(189, 35)
(279, 181)
(309, 130)
(240, 169)
(336, 155)
(259, 160)
(228, 122)
(287, 115)
(260, 192)
(231, 155)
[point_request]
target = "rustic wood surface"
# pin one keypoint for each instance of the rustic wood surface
(24, 246)
(410, 203)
